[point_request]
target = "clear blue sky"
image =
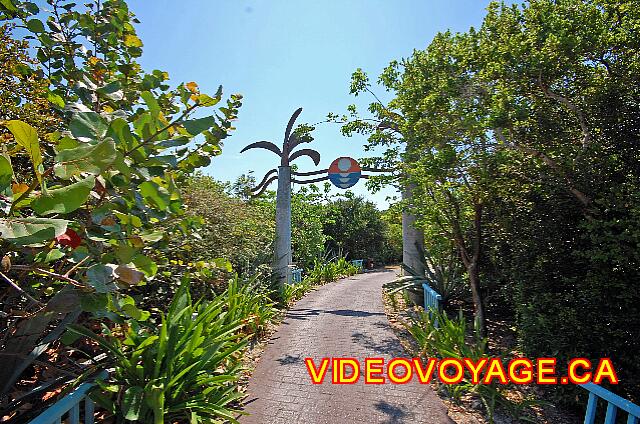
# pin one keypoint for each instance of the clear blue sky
(282, 55)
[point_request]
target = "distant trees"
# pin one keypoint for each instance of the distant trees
(355, 227)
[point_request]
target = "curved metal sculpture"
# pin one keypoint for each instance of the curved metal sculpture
(286, 154)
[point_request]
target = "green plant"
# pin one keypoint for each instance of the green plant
(183, 369)
(83, 198)
(293, 292)
(439, 336)
(250, 303)
(325, 271)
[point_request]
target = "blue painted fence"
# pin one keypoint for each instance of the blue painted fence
(295, 276)
(432, 300)
(614, 403)
(68, 407)
(358, 263)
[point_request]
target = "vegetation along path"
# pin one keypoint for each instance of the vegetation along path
(341, 319)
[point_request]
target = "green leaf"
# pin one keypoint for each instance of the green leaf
(112, 91)
(152, 237)
(64, 200)
(28, 231)
(206, 100)
(127, 219)
(35, 25)
(9, 5)
(155, 194)
(151, 102)
(66, 143)
(146, 265)
(27, 137)
(31, 7)
(55, 99)
(131, 40)
(6, 174)
(54, 255)
(69, 337)
(196, 126)
(132, 403)
(135, 313)
(91, 158)
(93, 302)
(100, 277)
(88, 124)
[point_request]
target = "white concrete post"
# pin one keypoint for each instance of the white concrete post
(283, 257)
(412, 238)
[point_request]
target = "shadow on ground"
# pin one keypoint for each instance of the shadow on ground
(396, 414)
(305, 313)
(388, 346)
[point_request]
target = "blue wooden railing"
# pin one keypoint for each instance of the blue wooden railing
(432, 300)
(296, 276)
(614, 402)
(358, 263)
(69, 407)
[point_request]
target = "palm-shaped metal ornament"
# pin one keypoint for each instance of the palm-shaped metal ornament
(286, 154)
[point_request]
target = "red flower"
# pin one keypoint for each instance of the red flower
(69, 238)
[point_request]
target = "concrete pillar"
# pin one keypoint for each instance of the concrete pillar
(412, 238)
(283, 225)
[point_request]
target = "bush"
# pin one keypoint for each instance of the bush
(327, 271)
(238, 230)
(450, 338)
(184, 369)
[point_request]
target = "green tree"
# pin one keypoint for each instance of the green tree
(238, 230)
(521, 139)
(355, 228)
(82, 233)
(308, 217)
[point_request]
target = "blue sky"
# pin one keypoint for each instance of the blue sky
(282, 55)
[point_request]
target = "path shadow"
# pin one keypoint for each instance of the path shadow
(396, 413)
(289, 360)
(302, 314)
(388, 346)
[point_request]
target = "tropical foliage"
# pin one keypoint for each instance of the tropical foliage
(81, 223)
(519, 141)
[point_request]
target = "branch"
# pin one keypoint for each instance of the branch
(160, 131)
(583, 198)
(457, 231)
(64, 277)
(19, 289)
(569, 105)
(28, 191)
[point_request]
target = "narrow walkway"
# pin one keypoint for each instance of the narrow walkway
(341, 319)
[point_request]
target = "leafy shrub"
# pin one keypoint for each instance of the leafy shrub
(439, 336)
(331, 270)
(241, 231)
(324, 271)
(83, 197)
(185, 368)
(251, 303)
(293, 292)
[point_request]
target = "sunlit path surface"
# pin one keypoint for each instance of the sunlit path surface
(341, 319)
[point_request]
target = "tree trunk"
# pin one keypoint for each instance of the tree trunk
(478, 301)
(471, 259)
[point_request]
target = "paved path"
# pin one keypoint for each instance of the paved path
(341, 319)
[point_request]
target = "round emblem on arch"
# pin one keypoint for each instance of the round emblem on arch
(344, 172)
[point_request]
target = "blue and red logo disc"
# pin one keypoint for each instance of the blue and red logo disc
(344, 172)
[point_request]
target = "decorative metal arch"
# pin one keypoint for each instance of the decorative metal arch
(287, 155)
